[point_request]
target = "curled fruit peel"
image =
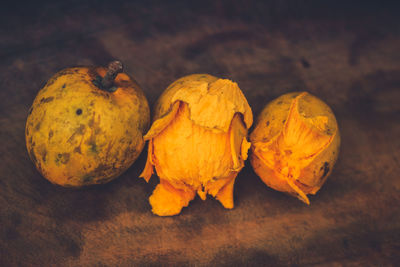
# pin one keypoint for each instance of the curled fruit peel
(295, 144)
(197, 142)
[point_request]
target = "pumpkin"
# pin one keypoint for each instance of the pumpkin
(295, 144)
(86, 125)
(197, 142)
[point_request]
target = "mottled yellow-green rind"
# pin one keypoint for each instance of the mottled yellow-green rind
(78, 134)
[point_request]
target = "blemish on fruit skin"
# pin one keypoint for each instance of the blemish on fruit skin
(44, 153)
(328, 131)
(267, 123)
(129, 151)
(66, 157)
(47, 99)
(80, 130)
(62, 158)
(110, 145)
(63, 86)
(30, 111)
(91, 121)
(78, 111)
(325, 167)
(87, 178)
(97, 172)
(93, 147)
(37, 127)
(101, 168)
(50, 134)
(57, 159)
(78, 150)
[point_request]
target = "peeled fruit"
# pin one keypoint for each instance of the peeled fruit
(197, 142)
(295, 144)
(86, 125)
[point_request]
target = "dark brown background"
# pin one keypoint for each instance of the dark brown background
(346, 54)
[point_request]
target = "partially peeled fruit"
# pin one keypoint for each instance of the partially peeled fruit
(197, 142)
(295, 144)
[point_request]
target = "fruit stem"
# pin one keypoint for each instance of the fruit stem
(113, 69)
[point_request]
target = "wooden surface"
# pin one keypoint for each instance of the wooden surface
(346, 54)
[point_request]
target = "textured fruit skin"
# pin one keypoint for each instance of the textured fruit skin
(295, 144)
(78, 134)
(197, 142)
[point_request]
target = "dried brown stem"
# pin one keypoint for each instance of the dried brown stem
(113, 69)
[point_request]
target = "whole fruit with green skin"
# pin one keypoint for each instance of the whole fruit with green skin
(86, 125)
